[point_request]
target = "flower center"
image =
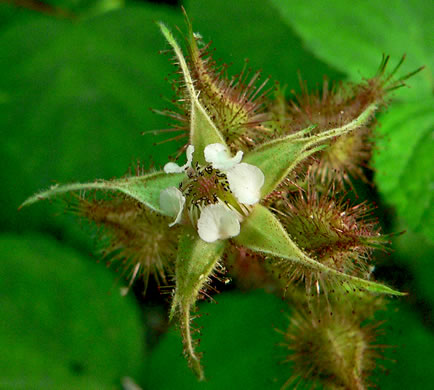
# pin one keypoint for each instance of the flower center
(205, 185)
(216, 197)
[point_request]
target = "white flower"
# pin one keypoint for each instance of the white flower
(245, 181)
(172, 167)
(219, 157)
(172, 202)
(217, 221)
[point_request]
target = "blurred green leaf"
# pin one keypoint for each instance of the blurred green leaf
(65, 324)
(239, 341)
(80, 8)
(352, 36)
(414, 252)
(72, 10)
(78, 97)
(10, 15)
(253, 29)
(409, 361)
(404, 165)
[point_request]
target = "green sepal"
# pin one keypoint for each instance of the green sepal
(277, 158)
(262, 232)
(195, 263)
(146, 189)
(203, 131)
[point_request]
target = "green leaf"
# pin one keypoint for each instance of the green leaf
(262, 232)
(65, 324)
(240, 344)
(277, 158)
(194, 265)
(202, 129)
(77, 99)
(146, 189)
(408, 360)
(12, 15)
(254, 30)
(403, 163)
(413, 252)
(77, 9)
(352, 36)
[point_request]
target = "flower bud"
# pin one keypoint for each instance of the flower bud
(331, 348)
(132, 236)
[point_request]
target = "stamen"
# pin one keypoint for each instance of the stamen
(206, 185)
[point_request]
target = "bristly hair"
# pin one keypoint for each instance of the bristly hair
(332, 350)
(133, 237)
(335, 106)
(331, 231)
(342, 102)
(235, 105)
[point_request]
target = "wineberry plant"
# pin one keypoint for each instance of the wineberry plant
(266, 189)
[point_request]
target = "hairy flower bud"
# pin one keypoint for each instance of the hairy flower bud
(331, 348)
(332, 231)
(336, 106)
(133, 237)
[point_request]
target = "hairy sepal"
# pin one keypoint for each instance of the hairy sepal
(194, 265)
(236, 104)
(145, 189)
(277, 158)
(262, 232)
(202, 129)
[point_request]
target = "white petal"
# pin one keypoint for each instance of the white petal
(217, 222)
(172, 203)
(245, 181)
(220, 158)
(172, 167)
(189, 153)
